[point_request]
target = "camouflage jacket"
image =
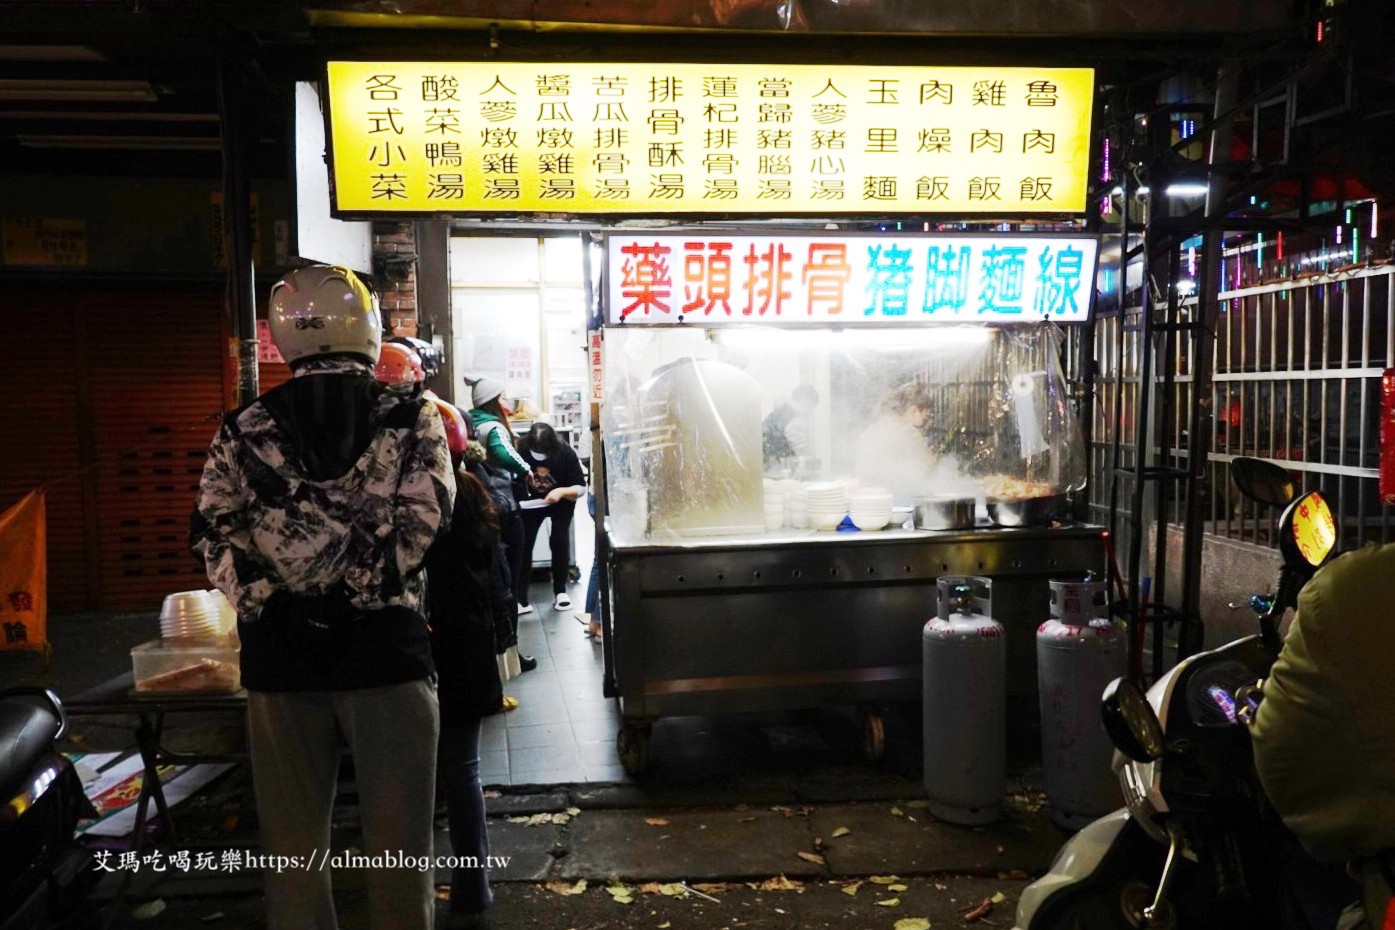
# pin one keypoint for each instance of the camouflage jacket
(264, 522)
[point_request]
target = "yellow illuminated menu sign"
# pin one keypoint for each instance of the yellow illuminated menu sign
(652, 139)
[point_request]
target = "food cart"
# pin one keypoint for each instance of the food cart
(728, 582)
(739, 577)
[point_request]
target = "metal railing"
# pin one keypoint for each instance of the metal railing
(1297, 380)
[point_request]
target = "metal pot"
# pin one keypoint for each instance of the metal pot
(944, 512)
(1026, 511)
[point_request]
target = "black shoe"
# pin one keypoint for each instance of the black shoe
(527, 663)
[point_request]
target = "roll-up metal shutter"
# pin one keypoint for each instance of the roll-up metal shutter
(39, 430)
(158, 388)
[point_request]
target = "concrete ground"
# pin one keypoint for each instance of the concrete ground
(766, 820)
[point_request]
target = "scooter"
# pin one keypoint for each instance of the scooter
(46, 876)
(1197, 844)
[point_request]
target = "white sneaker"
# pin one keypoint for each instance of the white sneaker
(525, 609)
(561, 601)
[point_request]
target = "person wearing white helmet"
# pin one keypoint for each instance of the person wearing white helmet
(315, 511)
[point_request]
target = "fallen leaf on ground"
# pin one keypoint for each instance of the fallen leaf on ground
(897, 812)
(712, 887)
(982, 910)
(573, 811)
(665, 925)
(889, 902)
(912, 923)
(518, 820)
(898, 888)
(885, 879)
(656, 821)
(840, 831)
(998, 897)
(852, 889)
(813, 857)
(780, 808)
(939, 887)
(560, 819)
(672, 890)
(779, 884)
(918, 805)
(149, 909)
(747, 820)
(566, 889)
(620, 894)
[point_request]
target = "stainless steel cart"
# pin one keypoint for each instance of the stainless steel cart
(795, 620)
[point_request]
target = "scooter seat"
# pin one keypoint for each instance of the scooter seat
(26, 736)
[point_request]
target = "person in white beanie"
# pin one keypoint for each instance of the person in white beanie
(489, 419)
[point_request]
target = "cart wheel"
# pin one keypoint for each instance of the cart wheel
(632, 745)
(873, 736)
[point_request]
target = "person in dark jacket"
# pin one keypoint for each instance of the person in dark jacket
(460, 568)
(314, 513)
(489, 419)
(556, 481)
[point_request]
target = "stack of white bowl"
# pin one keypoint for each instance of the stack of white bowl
(796, 506)
(227, 614)
(827, 503)
(774, 506)
(870, 508)
(190, 615)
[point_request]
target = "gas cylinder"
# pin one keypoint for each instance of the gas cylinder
(1079, 652)
(965, 693)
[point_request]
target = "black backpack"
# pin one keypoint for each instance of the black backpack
(499, 485)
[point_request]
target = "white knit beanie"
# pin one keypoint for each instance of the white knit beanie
(484, 390)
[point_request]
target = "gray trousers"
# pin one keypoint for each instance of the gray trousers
(391, 732)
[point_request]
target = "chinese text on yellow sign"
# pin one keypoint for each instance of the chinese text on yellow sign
(470, 137)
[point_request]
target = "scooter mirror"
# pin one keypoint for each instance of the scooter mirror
(1262, 481)
(1307, 533)
(1130, 722)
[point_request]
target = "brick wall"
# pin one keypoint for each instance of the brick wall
(394, 260)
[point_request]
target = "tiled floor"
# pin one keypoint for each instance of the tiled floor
(564, 729)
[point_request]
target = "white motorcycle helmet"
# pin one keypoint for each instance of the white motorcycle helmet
(324, 310)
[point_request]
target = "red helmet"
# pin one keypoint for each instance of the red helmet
(457, 429)
(399, 364)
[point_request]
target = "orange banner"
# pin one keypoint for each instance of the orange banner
(24, 575)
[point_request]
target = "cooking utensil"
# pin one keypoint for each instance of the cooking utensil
(944, 512)
(1026, 511)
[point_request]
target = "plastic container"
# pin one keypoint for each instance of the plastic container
(162, 667)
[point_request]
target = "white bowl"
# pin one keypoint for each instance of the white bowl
(187, 602)
(884, 501)
(873, 522)
(227, 614)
